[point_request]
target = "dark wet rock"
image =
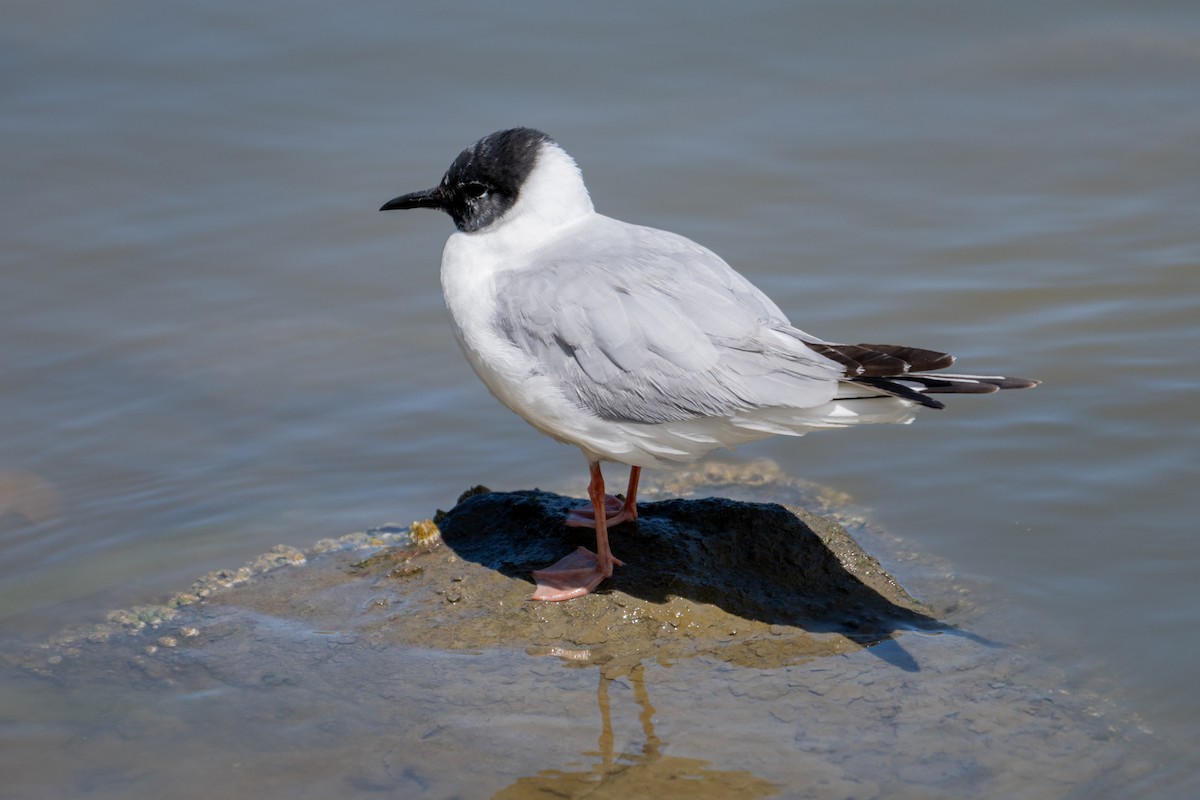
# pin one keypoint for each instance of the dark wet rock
(750, 583)
(753, 583)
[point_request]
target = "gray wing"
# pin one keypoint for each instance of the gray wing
(641, 325)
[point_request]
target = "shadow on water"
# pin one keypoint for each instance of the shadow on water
(759, 562)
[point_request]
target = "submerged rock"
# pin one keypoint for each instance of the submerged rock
(746, 648)
(757, 584)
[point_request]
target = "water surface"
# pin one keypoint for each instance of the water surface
(210, 342)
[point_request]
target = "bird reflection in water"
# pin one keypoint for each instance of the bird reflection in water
(650, 773)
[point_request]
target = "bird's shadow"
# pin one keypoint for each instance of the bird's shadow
(757, 561)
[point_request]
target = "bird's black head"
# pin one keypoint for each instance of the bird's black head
(483, 182)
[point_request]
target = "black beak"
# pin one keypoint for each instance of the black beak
(430, 198)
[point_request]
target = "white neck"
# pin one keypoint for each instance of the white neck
(552, 196)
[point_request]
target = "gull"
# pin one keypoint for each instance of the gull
(637, 345)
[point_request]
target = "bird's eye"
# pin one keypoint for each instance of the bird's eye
(475, 189)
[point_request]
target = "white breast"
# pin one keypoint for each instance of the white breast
(470, 264)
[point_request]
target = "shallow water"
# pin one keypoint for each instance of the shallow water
(212, 343)
(423, 669)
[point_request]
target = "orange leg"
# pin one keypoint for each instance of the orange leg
(578, 573)
(615, 512)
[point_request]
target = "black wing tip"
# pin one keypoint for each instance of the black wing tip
(902, 386)
(890, 386)
(918, 358)
(882, 360)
